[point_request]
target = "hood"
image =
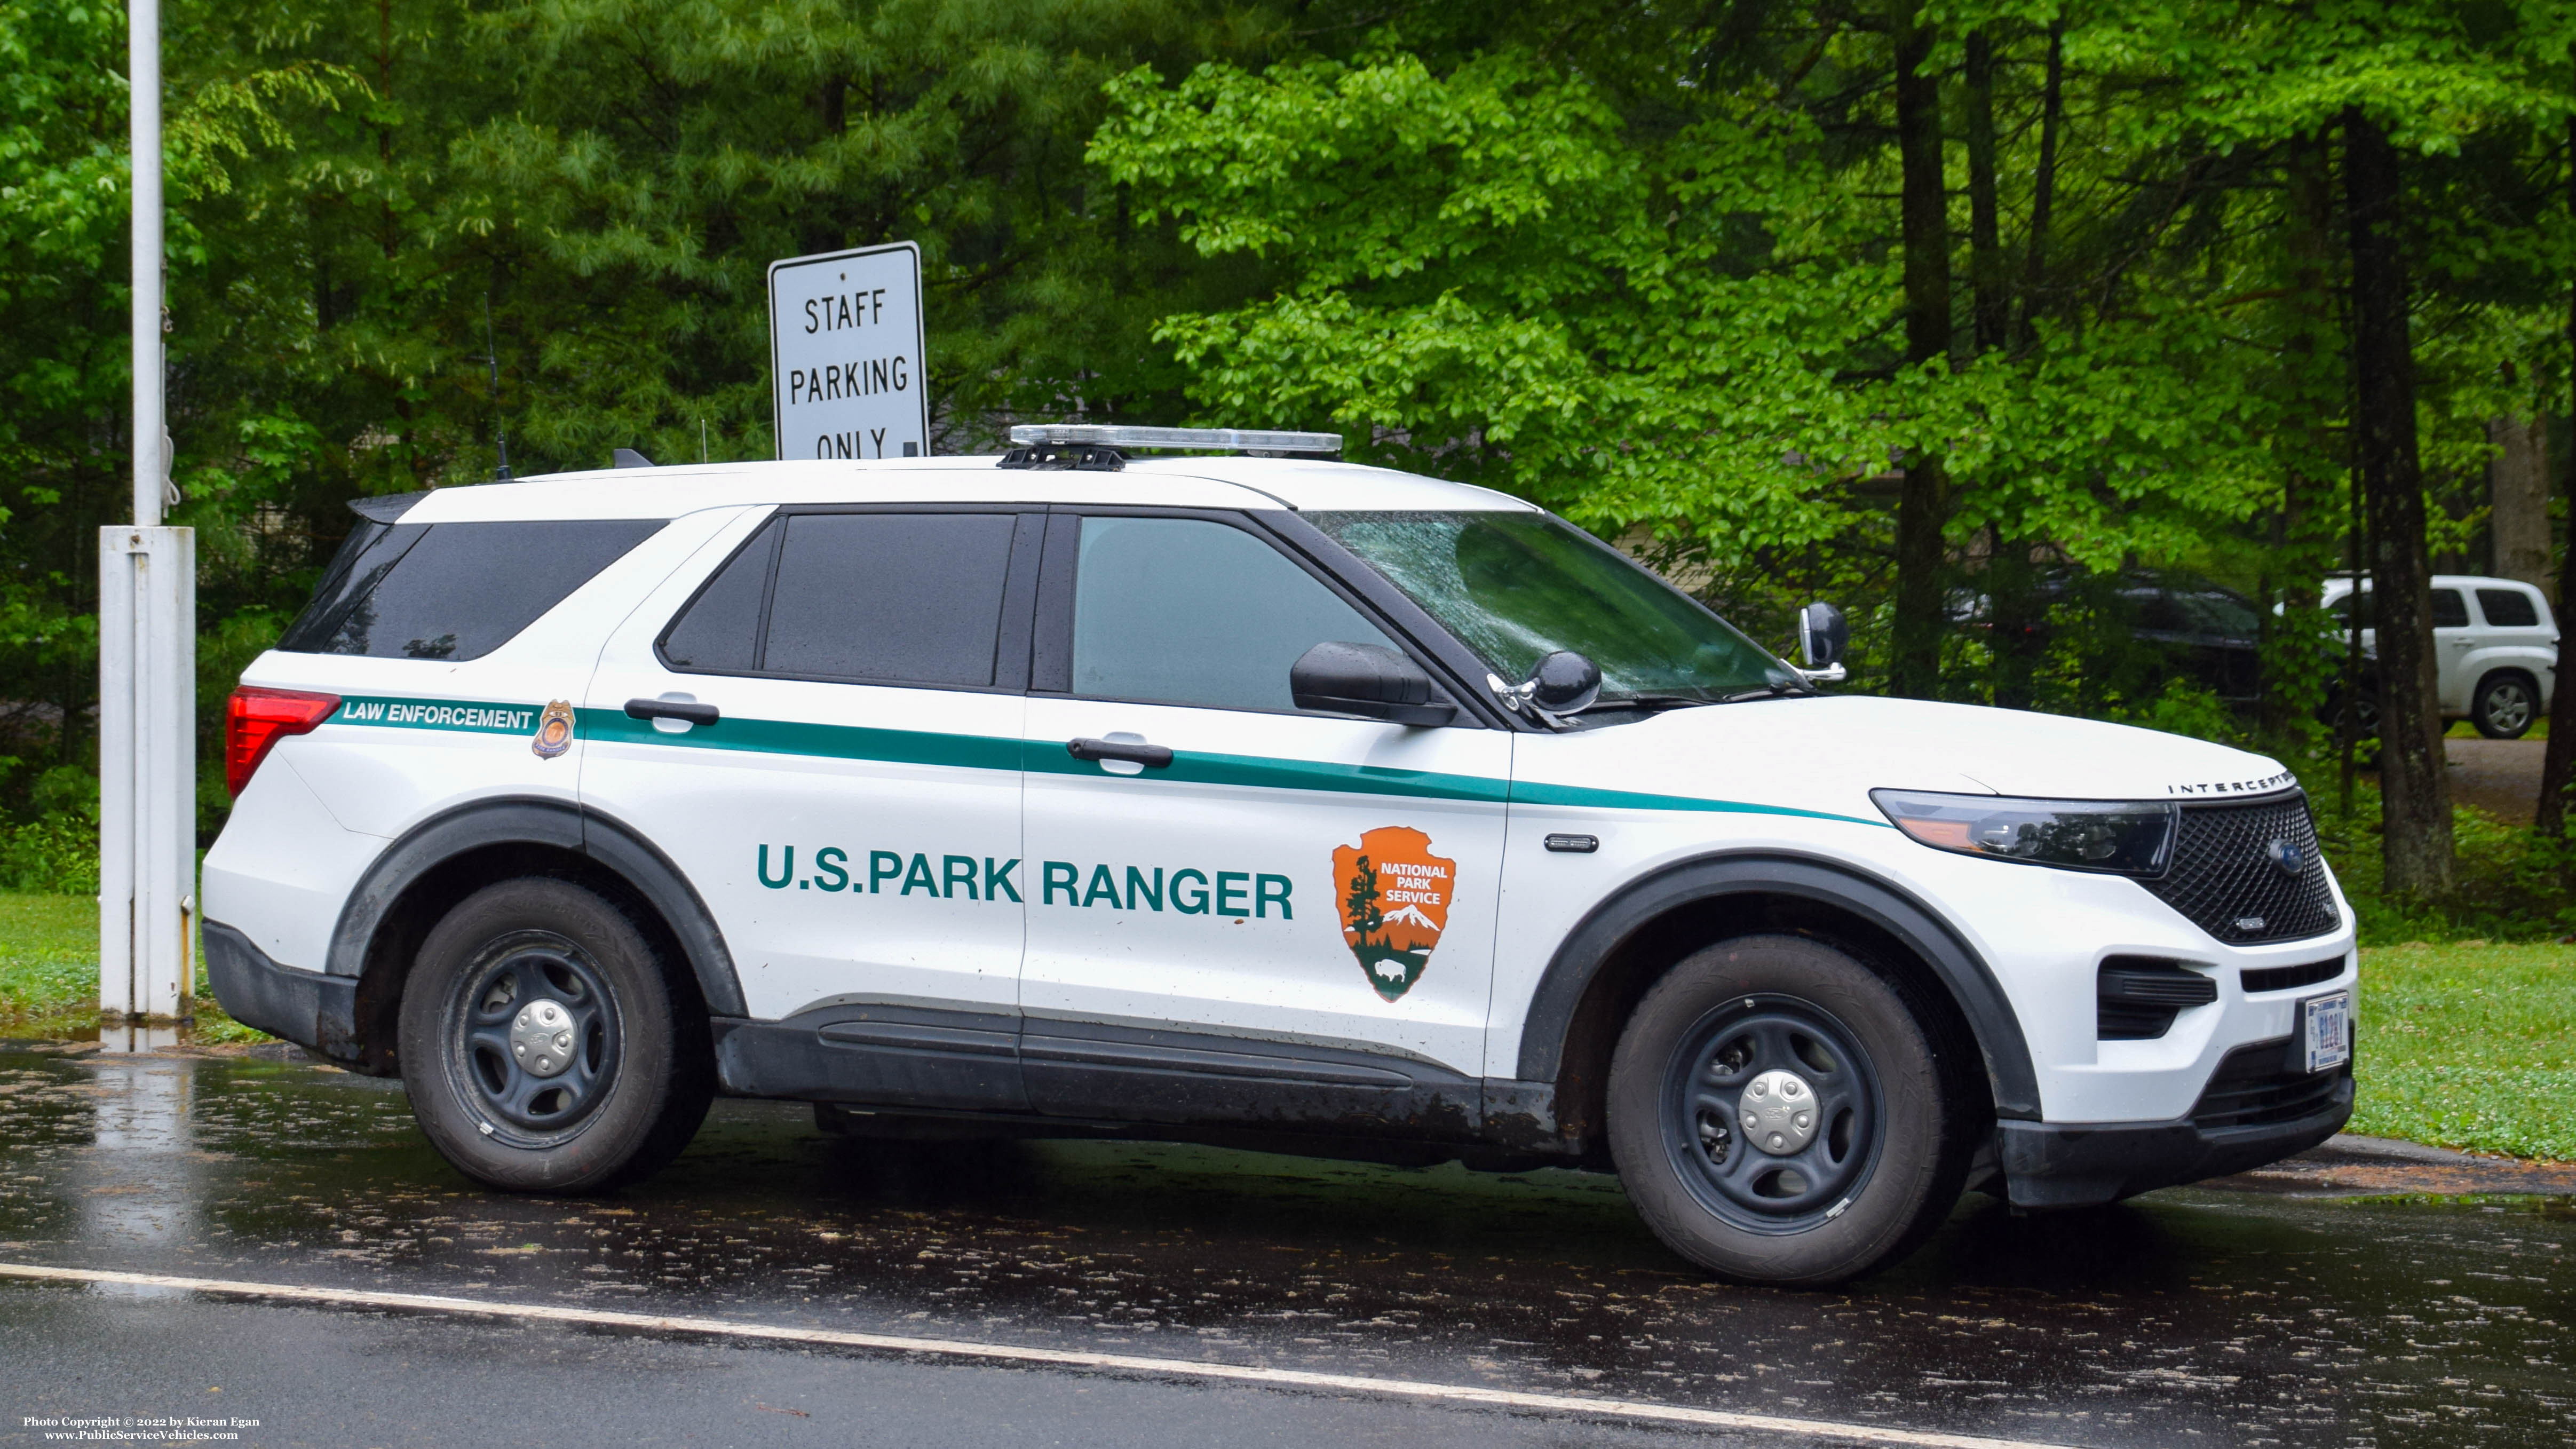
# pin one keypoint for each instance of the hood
(1847, 745)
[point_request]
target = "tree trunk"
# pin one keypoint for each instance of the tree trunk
(2518, 487)
(2558, 763)
(2297, 676)
(1914, 664)
(2415, 840)
(1992, 302)
(2043, 184)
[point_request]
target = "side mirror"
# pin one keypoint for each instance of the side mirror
(1823, 635)
(1368, 680)
(1565, 683)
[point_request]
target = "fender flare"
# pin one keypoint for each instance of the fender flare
(536, 821)
(1971, 982)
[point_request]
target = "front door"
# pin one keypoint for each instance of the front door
(1315, 890)
(851, 816)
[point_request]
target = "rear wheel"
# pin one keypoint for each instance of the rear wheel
(1778, 1115)
(544, 1048)
(2504, 706)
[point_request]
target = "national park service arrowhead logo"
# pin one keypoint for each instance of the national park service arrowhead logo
(554, 731)
(1395, 903)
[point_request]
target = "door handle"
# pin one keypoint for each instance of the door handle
(1152, 757)
(690, 710)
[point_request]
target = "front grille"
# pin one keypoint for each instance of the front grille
(2224, 880)
(2136, 998)
(2282, 978)
(2256, 1086)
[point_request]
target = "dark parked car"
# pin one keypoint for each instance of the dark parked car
(2143, 628)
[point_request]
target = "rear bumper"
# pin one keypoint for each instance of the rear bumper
(314, 1011)
(2080, 1164)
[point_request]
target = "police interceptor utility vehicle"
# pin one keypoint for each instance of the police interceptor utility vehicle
(1260, 799)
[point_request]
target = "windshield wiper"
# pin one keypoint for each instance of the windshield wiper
(1769, 691)
(1655, 702)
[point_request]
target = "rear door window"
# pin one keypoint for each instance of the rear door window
(2450, 611)
(454, 591)
(2508, 609)
(870, 598)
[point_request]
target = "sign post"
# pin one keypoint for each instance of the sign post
(846, 351)
(147, 654)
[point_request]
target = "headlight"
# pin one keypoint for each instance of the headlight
(2123, 837)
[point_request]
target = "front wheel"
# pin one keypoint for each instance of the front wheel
(544, 1048)
(1777, 1114)
(2504, 706)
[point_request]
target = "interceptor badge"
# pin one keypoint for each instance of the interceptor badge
(1395, 903)
(554, 731)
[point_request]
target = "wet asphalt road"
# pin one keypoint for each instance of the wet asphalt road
(2195, 1316)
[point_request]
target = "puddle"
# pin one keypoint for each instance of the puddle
(2247, 1312)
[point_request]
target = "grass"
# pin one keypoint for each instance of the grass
(2469, 1045)
(49, 972)
(2463, 730)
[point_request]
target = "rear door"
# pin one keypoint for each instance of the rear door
(851, 814)
(2453, 640)
(1284, 915)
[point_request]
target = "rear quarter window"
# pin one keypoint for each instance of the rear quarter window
(454, 591)
(2508, 609)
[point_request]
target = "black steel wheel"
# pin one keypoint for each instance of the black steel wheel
(2505, 706)
(1772, 1113)
(532, 1036)
(1780, 1112)
(545, 1046)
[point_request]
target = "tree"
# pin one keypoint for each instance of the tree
(2416, 844)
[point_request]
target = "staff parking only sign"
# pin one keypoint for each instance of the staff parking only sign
(845, 353)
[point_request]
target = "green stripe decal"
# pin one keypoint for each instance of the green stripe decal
(820, 741)
(1048, 757)
(472, 716)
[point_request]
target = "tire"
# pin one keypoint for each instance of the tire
(621, 1071)
(1887, 1151)
(2505, 705)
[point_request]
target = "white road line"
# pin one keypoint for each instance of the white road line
(1416, 1389)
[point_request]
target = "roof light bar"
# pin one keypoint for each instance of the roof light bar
(1225, 440)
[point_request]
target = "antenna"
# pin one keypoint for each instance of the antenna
(492, 360)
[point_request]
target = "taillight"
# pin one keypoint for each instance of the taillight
(255, 719)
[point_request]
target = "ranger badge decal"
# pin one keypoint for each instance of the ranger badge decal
(1394, 895)
(554, 731)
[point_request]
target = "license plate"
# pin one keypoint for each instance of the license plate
(2325, 1029)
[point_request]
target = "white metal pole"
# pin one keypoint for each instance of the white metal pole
(118, 800)
(143, 70)
(147, 643)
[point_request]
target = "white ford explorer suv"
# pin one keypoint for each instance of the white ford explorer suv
(1261, 800)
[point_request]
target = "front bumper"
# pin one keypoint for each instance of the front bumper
(2258, 1108)
(312, 1010)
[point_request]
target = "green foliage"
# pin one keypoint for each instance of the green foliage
(55, 854)
(2470, 1046)
(1643, 265)
(2512, 883)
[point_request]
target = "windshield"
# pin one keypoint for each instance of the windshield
(1515, 587)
